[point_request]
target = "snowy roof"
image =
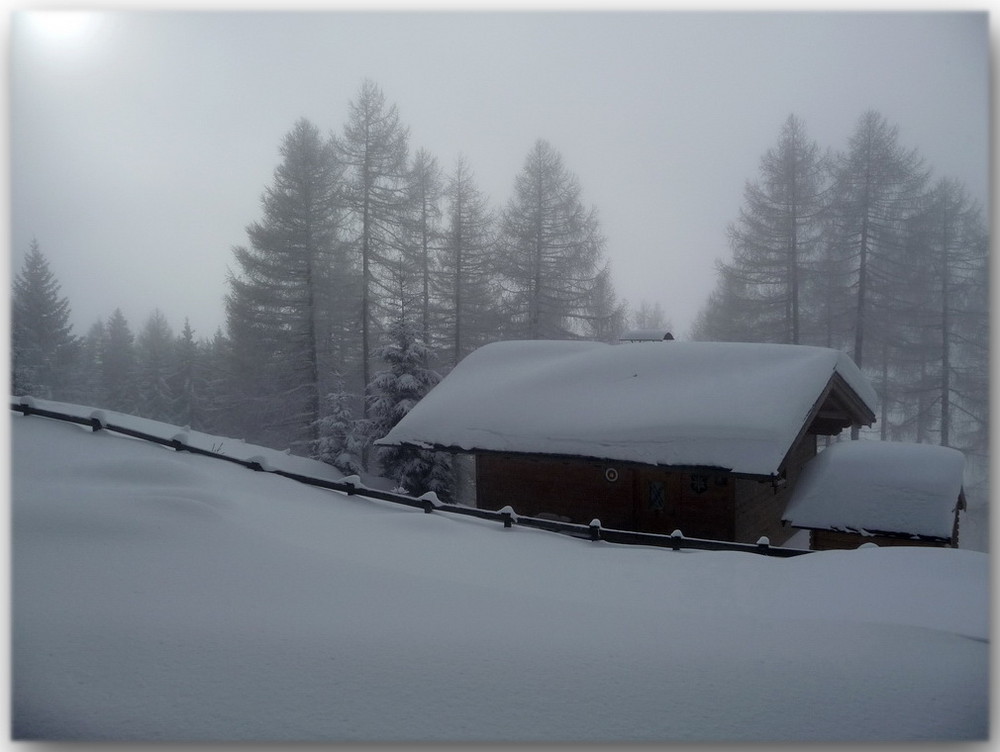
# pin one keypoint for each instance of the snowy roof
(879, 486)
(734, 406)
(646, 335)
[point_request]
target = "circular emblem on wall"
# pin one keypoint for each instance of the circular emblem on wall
(611, 475)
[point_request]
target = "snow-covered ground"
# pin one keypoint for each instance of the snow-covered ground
(159, 595)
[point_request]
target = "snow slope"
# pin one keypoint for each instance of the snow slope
(159, 595)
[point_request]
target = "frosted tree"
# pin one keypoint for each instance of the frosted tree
(279, 306)
(373, 150)
(155, 365)
(551, 251)
(392, 394)
(341, 442)
(44, 350)
(464, 283)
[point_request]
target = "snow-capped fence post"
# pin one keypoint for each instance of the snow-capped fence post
(595, 529)
(763, 544)
(675, 540)
(507, 515)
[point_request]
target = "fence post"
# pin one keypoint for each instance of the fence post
(595, 529)
(675, 540)
(763, 544)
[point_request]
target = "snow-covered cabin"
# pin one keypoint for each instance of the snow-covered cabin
(889, 493)
(705, 437)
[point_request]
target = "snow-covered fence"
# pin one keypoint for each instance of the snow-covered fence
(98, 420)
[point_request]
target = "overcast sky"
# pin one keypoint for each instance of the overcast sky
(142, 141)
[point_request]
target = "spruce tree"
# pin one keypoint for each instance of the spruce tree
(340, 442)
(392, 394)
(155, 367)
(44, 350)
(279, 304)
(118, 366)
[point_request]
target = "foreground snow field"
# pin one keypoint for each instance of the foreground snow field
(159, 595)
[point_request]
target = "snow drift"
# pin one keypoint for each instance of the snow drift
(163, 596)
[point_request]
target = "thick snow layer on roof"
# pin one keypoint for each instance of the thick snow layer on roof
(882, 486)
(736, 406)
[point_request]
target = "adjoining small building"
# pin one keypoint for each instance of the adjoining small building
(646, 335)
(888, 493)
(704, 437)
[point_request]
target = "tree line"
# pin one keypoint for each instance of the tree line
(370, 273)
(864, 250)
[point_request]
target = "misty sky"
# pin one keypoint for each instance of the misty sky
(141, 142)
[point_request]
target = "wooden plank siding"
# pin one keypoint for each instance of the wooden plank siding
(644, 498)
(759, 505)
(647, 499)
(831, 540)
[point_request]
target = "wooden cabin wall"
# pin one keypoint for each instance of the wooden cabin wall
(642, 498)
(759, 506)
(833, 540)
(568, 489)
(699, 505)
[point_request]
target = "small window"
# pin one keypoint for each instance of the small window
(657, 495)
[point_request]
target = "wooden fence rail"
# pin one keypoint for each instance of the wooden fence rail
(594, 531)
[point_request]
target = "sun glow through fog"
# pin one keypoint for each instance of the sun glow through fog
(62, 28)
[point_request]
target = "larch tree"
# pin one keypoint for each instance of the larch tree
(373, 151)
(464, 281)
(877, 187)
(279, 304)
(426, 189)
(551, 251)
(777, 234)
(43, 348)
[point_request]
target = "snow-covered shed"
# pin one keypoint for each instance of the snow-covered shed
(889, 493)
(705, 437)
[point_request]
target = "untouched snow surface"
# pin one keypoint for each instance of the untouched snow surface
(729, 405)
(165, 596)
(884, 486)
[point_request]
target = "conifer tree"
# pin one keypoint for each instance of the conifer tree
(877, 188)
(392, 394)
(44, 349)
(464, 283)
(425, 200)
(373, 151)
(279, 305)
(118, 366)
(340, 442)
(551, 251)
(155, 367)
